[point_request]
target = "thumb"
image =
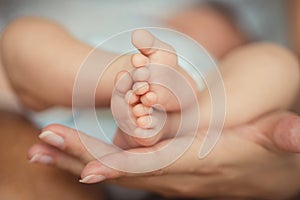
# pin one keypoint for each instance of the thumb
(286, 134)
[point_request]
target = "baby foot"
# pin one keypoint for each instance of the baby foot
(125, 102)
(145, 97)
(156, 53)
(157, 79)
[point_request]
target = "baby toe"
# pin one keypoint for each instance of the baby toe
(149, 99)
(144, 122)
(140, 88)
(141, 74)
(139, 60)
(131, 98)
(140, 110)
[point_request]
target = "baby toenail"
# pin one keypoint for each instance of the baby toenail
(146, 122)
(140, 86)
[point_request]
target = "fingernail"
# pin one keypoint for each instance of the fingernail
(44, 159)
(51, 138)
(295, 130)
(92, 179)
(294, 126)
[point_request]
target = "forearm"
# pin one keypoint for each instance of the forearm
(42, 60)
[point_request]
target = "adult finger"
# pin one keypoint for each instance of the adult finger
(279, 130)
(75, 143)
(286, 134)
(128, 164)
(45, 154)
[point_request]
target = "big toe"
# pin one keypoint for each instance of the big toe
(143, 40)
(148, 44)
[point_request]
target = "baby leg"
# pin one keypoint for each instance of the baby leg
(258, 78)
(43, 61)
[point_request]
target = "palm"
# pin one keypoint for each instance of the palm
(251, 160)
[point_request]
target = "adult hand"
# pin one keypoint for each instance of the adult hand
(252, 160)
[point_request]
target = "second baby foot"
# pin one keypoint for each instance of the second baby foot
(132, 117)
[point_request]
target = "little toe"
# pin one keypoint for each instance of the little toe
(140, 88)
(141, 74)
(151, 128)
(140, 110)
(123, 82)
(149, 99)
(139, 60)
(131, 98)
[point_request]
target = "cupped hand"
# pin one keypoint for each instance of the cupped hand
(256, 160)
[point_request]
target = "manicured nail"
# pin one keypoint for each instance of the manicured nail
(51, 138)
(92, 179)
(296, 129)
(43, 159)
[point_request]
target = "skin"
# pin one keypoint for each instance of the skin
(226, 172)
(271, 145)
(177, 190)
(212, 23)
(238, 69)
(22, 180)
(261, 135)
(17, 136)
(24, 69)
